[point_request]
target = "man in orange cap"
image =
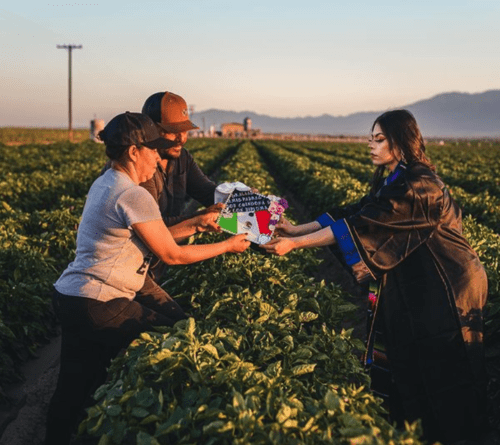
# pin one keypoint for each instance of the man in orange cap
(177, 176)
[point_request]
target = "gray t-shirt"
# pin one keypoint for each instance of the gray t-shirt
(111, 260)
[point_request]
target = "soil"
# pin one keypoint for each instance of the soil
(23, 421)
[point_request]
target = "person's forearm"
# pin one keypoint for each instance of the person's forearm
(157, 237)
(183, 230)
(323, 237)
(197, 252)
(171, 221)
(304, 229)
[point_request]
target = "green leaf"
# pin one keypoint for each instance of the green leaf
(172, 424)
(104, 440)
(274, 369)
(211, 350)
(6, 331)
(113, 410)
(126, 396)
(170, 343)
(213, 427)
(191, 326)
(119, 430)
(98, 425)
(332, 400)
(238, 401)
(303, 369)
(149, 419)
(354, 432)
(284, 414)
(101, 392)
(269, 353)
(144, 438)
(160, 356)
(302, 354)
(146, 336)
(189, 398)
(139, 412)
(146, 397)
(306, 317)
(94, 412)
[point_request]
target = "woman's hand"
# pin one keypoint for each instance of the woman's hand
(238, 243)
(284, 228)
(279, 246)
(207, 221)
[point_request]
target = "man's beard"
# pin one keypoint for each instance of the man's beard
(169, 154)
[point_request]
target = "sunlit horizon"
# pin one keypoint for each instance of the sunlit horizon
(281, 59)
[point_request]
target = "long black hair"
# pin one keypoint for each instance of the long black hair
(402, 132)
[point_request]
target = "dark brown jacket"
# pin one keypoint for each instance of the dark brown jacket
(171, 188)
(433, 290)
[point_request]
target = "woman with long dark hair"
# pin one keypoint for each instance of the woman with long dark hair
(407, 234)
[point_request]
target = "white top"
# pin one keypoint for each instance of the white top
(111, 260)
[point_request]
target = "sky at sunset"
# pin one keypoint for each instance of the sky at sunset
(281, 58)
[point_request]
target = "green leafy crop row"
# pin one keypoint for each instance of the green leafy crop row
(42, 193)
(17, 135)
(264, 363)
(318, 186)
(471, 173)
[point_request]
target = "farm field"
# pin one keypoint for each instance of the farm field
(19, 136)
(264, 358)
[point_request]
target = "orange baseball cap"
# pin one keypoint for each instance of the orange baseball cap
(169, 111)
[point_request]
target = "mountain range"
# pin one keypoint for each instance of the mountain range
(445, 115)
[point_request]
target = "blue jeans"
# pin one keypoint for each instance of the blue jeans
(93, 332)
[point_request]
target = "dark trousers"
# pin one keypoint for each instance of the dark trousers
(93, 332)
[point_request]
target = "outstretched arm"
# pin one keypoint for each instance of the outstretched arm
(159, 240)
(205, 221)
(281, 246)
(286, 228)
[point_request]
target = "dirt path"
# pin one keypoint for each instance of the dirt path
(23, 423)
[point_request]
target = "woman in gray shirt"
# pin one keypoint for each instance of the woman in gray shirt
(121, 228)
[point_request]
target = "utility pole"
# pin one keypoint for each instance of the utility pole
(70, 48)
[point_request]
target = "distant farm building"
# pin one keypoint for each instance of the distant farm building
(247, 124)
(232, 129)
(235, 129)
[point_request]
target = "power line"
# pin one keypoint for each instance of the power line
(70, 48)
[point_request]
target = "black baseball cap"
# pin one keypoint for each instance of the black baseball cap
(134, 129)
